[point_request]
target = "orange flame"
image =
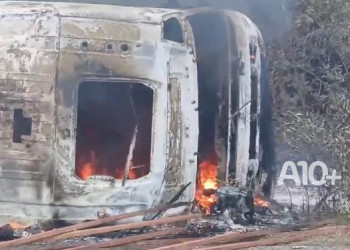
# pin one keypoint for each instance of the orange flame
(87, 170)
(261, 202)
(207, 181)
(90, 168)
(132, 174)
(18, 226)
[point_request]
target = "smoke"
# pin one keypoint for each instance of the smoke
(273, 17)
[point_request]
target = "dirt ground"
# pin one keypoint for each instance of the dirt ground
(329, 242)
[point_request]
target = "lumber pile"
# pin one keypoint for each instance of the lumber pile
(173, 236)
(91, 227)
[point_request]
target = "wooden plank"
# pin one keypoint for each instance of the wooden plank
(163, 242)
(236, 236)
(154, 243)
(283, 238)
(219, 239)
(130, 239)
(55, 232)
(135, 225)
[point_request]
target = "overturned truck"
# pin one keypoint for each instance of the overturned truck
(117, 108)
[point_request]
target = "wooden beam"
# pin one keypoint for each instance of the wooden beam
(130, 239)
(128, 226)
(283, 238)
(55, 232)
(154, 243)
(236, 236)
(218, 239)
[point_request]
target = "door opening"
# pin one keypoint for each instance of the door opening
(211, 42)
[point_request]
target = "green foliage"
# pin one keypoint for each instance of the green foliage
(312, 83)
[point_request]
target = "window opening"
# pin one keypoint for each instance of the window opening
(172, 30)
(114, 130)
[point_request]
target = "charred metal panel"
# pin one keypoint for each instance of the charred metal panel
(86, 56)
(80, 43)
(182, 124)
(99, 29)
(245, 32)
(254, 164)
(174, 135)
(132, 54)
(28, 56)
(113, 13)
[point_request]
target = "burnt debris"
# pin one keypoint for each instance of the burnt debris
(239, 202)
(7, 233)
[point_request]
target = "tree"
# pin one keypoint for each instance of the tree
(312, 84)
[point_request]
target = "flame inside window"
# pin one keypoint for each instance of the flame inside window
(114, 129)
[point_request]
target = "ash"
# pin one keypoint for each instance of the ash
(227, 222)
(235, 211)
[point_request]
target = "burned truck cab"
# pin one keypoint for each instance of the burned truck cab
(120, 111)
(108, 108)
